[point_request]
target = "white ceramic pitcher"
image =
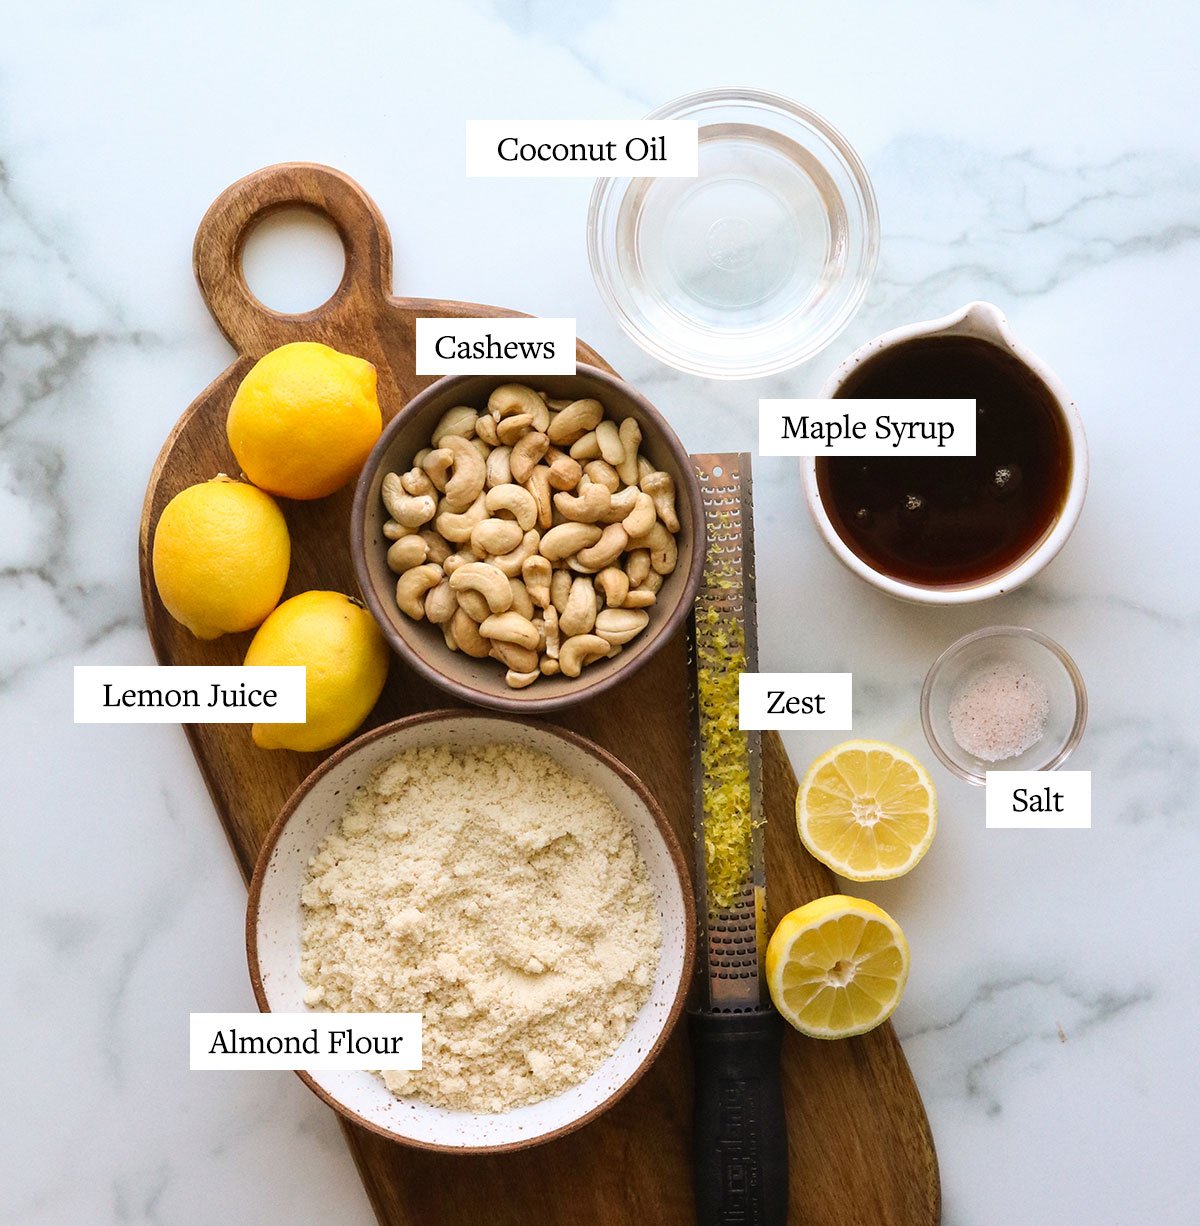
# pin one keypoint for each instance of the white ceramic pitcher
(985, 322)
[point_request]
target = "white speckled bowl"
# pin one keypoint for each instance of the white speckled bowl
(273, 931)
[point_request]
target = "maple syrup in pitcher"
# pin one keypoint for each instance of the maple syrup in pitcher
(946, 520)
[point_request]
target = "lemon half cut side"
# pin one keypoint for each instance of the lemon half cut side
(867, 810)
(837, 967)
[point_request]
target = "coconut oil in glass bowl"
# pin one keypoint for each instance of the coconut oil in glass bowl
(755, 264)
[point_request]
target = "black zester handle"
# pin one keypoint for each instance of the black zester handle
(739, 1141)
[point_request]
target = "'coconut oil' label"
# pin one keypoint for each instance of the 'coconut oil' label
(582, 148)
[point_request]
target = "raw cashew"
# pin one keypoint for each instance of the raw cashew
(458, 528)
(517, 501)
(455, 560)
(474, 604)
(522, 602)
(661, 489)
(604, 473)
(512, 428)
(483, 448)
(575, 421)
(526, 453)
(393, 531)
(641, 519)
(664, 553)
(407, 552)
(519, 659)
(613, 583)
(485, 429)
(439, 547)
(652, 583)
(606, 550)
(586, 507)
(609, 440)
(577, 652)
(549, 666)
(637, 566)
(416, 482)
(630, 434)
(458, 420)
(585, 447)
(518, 681)
(440, 603)
(491, 536)
(466, 482)
(448, 635)
(538, 485)
(567, 539)
(412, 586)
(437, 465)
(622, 505)
(514, 398)
(620, 625)
(511, 563)
(497, 469)
(488, 580)
(467, 636)
(536, 570)
(406, 509)
(645, 468)
(510, 627)
(560, 589)
(580, 614)
(565, 473)
(639, 598)
(551, 632)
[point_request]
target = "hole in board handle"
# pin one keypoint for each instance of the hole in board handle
(293, 260)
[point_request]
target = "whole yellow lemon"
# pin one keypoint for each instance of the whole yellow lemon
(221, 556)
(339, 643)
(303, 420)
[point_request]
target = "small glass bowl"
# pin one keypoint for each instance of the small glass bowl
(755, 264)
(1008, 644)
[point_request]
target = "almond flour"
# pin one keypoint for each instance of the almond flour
(501, 897)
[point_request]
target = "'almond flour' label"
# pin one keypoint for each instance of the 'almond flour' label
(248, 1041)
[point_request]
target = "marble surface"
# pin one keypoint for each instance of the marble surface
(1044, 157)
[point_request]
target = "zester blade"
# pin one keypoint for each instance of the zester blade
(727, 763)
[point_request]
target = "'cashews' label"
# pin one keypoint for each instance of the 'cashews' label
(583, 148)
(495, 346)
(913, 427)
(189, 694)
(315, 1041)
(795, 700)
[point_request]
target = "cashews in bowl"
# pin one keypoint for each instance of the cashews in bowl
(533, 531)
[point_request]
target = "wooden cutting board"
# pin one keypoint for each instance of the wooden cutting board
(860, 1147)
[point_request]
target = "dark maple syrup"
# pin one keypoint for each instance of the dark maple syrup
(945, 520)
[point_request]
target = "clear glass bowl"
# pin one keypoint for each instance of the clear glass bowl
(755, 264)
(1018, 645)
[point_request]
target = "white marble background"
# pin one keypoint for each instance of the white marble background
(1044, 156)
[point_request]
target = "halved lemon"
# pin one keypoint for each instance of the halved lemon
(837, 967)
(867, 810)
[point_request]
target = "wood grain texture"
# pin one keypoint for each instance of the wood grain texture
(860, 1148)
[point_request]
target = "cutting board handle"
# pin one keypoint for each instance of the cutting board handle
(250, 326)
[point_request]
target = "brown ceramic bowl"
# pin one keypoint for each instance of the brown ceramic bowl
(420, 644)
